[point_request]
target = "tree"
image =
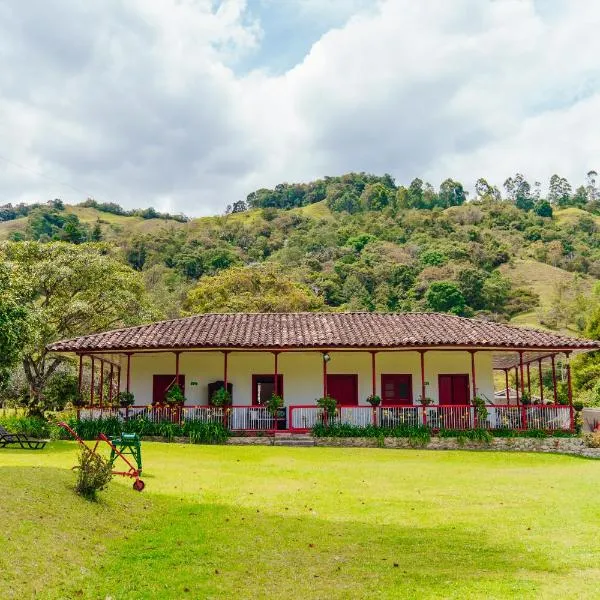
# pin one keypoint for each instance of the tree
(543, 208)
(486, 192)
(14, 325)
(355, 294)
(260, 288)
(518, 190)
(559, 191)
(70, 291)
(96, 234)
(451, 193)
(375, 196)
(445, 296)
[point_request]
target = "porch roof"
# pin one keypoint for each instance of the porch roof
(322, 331)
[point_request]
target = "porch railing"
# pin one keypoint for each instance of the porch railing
(235, 418)
(304, 418)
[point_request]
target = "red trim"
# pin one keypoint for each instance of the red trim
(541, 381)
(529, 378)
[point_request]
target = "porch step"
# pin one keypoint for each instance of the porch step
(291, 441)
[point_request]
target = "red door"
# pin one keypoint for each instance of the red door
(454, 389)
(160, 385)
(396, 390)
(344, 388)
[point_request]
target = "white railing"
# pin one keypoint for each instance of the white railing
(304, 418)
(359, 416)
(399, 416)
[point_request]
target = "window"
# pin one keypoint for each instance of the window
(396, 389)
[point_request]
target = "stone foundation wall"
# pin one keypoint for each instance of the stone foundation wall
(555, 445)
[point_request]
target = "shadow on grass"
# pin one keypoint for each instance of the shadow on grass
(215, 551)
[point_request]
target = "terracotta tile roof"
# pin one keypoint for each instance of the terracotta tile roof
(321, 330)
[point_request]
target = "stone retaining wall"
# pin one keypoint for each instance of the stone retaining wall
(556, 445)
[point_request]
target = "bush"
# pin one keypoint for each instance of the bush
(35, 427)
(94, 474)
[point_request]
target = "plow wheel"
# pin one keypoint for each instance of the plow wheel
(138, 485)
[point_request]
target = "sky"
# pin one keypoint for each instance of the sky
(189, 105)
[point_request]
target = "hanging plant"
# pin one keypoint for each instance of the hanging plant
(425, 401)
(221, 397)
(175, 395)
(374, 400)
(125, 399)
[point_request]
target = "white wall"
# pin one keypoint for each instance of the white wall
(302, 372)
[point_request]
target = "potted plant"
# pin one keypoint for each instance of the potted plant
(221, 397)
(425, 401)
(274, 403)
(525, 398)
(480, 409)
(125, 399)
(329, 406)
(174, 395)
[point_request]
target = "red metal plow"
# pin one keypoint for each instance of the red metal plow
(131, 472)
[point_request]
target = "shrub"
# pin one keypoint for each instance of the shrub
(274, 403)
(205, 433)
(328, 404)
(94, 474)
(35, 427)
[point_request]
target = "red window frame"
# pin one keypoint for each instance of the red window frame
(396, 379)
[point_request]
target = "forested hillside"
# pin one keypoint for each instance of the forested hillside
(355, 242)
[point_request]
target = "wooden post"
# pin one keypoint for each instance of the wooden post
(276, 382)
(529, 379)
(523, 408)
(373, 385)
(92, 384)
(110, 387)
(101, 385)
(507, 389)
(80, 373)
(424, 409)
(517, 385)
(541, 381)
(474, 390)
(324, 375)
(128, 382)
(554, 391)
(570, 392)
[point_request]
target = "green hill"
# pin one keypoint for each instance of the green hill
(355, 242)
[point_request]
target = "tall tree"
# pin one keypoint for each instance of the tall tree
(451, 193)
(559, 191)
(261, 288)
(69, 291)
(14, 325)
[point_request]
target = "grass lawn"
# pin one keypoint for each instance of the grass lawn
(272, 522)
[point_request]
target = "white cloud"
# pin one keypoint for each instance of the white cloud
(139, 105)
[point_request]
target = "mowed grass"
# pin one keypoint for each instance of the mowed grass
(272, 522)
